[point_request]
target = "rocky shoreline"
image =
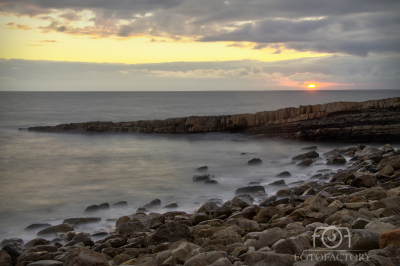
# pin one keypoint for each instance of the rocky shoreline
(346, 217)
(369, 121)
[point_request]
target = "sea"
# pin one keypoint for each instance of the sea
(49, 177)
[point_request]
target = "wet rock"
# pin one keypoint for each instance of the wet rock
(315, 203)
(80, 221)
(12, 240)
(202, 168)
(394, 192)
(82, 256)
(151, 221)
(388, 238)
(207, 207)
(171, 205)
(374, 193)
(199, 217)
(241, 202)
(129, 228)
(13, 249)
(207, 258)
(342, 176)
(365, 180)
(389, 251)
(394, 162)
(368, 151)
(278, 183)
(265, 215)
(360, 241)
(293, 245)
(284, 174)
(255, 161)
(36, 242)
(360, 223)
(38, 226)
(5, 259)
(306, 162)
(182, 251)
(211, 182)
(83, 238)
(152, 204)
(169, 232)
(52, 231)
(266, 202)
(249, 190)
(337, 159)
(96, 208)
(120, 204)
(379, 227)
(307, 155)
(387, 171)
(201, 178)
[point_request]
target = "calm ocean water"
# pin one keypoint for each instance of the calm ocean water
(49, 177)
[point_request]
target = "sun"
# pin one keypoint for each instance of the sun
(311, 86)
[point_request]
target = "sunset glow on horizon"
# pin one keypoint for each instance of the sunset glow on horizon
(235, 45)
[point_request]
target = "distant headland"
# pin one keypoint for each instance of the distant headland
(369, 121)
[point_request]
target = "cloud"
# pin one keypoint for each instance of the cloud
(12, 26)
(374, 71)
(340, 26)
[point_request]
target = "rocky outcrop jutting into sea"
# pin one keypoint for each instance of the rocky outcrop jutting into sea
(376, 120)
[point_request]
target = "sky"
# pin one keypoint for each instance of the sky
(161, 45)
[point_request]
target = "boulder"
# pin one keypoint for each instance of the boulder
(365, 180)
(11, 240)
(170, 205)
(337, 159)
(241, 202)
(201, 178)
(120, 204)
(207, 208)
(207, 258)
(14, 250)
(265, 215)
(129, 228)
(222, 262)
(80, 221)
(293, 245)
(360, 241)
(368, 151)
(278, 183)
(202, 168)
(379, 227)
(84, 238)
(199, 217)
(153, 204)
(305, 162)
(82, 256)
(5, 259)
(181, 253)
(394, 192)
(96, 208)
(249, 190)
(38, 226)
(342, 176)
(269, 237)
(151, 221)
(255, 161)
(315, 203)
(386, 171)
(392, 203)
(211, 182)
(169, 232)
(360, 223)
(388, 238)
(36, 242)
(343, 216)
(307, 155)
(53, 231)
(283, 174)
(394, 162)
(374, 193)
(227, 236)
